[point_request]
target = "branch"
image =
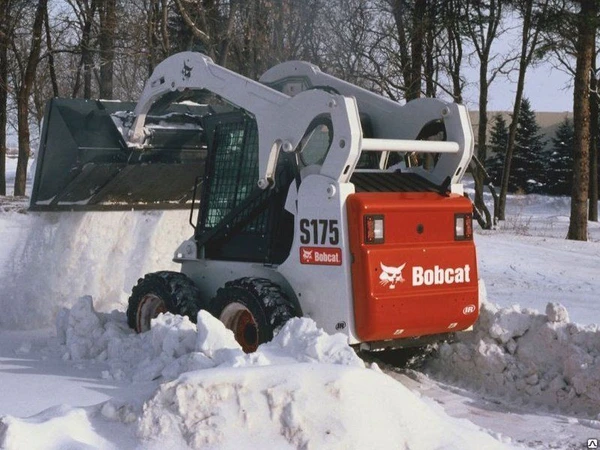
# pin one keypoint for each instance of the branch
(190, 23)
(500, 69)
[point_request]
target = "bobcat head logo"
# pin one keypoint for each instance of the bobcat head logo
(307, 254)
(187, 70)
(391, 275)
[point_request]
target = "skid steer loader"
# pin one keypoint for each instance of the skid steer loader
(309, 196)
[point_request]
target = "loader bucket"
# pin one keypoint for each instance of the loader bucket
(84, 163)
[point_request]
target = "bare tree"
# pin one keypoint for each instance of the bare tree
(586, 26)
(49, 46)
(106, 38)
(212, 23)
(561, 41)
(483, 24)
(27, 80)
(530, 38)
(434, 31)
(85, 11)
(359, 42)
(5, 32)
(452, 19)
(411, 31)
(157, 32)
(594, 131)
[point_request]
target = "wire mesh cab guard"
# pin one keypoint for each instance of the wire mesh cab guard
(238, 220)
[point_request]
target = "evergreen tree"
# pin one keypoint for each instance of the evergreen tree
(560, 163)
(527, 172)
(497, 145)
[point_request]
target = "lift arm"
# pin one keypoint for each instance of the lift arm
(389, 119)
(281, 119)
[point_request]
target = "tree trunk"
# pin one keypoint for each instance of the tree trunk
(478, 175)
(581, 118)
(482, 29)
(593, 213)
(399, 12)
(108, 24)
(23, 98)
(152, 24)
(87, 52)
(512, 131)
(455, 52)
(431, 50)
(416, 43)
(4, 33)
(53, 80)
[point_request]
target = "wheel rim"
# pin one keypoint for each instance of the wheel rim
(240, 320)
(150, 307)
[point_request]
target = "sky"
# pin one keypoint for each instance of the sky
(547, 88)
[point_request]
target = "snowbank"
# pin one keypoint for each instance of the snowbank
(531, 358)
(61, 427)
(62, 256)
(175, 345)
(305, 389)
(298, 406)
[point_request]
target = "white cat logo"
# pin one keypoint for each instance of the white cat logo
(391, 275)
(307, 254)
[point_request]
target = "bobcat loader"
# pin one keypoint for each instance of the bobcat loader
(308, 196)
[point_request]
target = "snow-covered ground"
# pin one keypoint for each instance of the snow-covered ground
(72, 375)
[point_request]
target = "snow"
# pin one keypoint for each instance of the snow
(529, 357)
(73, 375)
(76, 254)
(301, 390)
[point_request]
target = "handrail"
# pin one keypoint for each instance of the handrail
(406, 145)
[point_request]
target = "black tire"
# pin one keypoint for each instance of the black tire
(253, 308)
(160, 292)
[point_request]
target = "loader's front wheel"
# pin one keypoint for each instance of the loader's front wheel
(253, 308)
(162, 292)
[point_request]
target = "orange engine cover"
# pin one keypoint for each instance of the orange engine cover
(420, 280)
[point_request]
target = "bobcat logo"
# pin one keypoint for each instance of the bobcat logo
(307, 255)
(187, 70)
(391, 275)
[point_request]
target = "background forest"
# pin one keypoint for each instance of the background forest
(402, 49)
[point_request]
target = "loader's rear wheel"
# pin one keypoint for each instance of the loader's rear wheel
(254, 309)
(162, 292)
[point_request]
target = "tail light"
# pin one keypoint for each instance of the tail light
(463, 227)
(374, 229)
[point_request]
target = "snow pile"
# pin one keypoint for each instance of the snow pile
(304, 389)
(175, 345)
(298, 406)
(61, 427)
(65, 255)
(85, 334)
(528, 357)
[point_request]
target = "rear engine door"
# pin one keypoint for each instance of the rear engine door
(414, 269)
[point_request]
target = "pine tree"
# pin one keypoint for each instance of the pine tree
(497, 145)
(527, 173)
(560, 164)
